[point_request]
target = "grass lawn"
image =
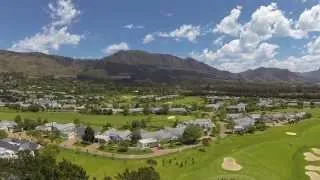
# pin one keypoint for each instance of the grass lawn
(188, 100)
(270, 155)
(93, 120)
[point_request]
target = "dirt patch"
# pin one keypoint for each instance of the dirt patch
(291, 133)
(230, 164)
(313, 168)
(313, 175)
(308, 156)
(316, 151)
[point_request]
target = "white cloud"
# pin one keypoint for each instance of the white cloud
(314, 46)
(148, 39)
(114, 48)
(63, 13)
(233, 57)
(219, 41)
(229, 24)
(132, 26)
(49, 39)
(309, 20)
(250, 49)
(189, 32)
(55, 34)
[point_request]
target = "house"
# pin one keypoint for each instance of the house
(167, 134)
(242, 124)
(214, 107)
(7, 125)
(156, 110)
(10, 147)
(178, 111)
(206, 124)
(66, 130)
(266, 103)
(234, 116)
(241, 107)
(256, 117)
(135, 110)
(114, 135)
(147, 143)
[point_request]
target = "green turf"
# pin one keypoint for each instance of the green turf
(271, 155)
(93, 120)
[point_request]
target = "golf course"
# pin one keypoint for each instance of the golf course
(272, 154)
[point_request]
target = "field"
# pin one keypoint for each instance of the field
(269, 155)
(93, 120)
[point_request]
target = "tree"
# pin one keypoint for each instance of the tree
(251, 129)
(152, 162)
(123, 147)
(165, 109)
(146, 109)
(191, 134)
(125, 111)
(146, 173)
(3, 134)
(135, 136)
(67, 170)
(88, 135)
(76, 122)
(18, 119)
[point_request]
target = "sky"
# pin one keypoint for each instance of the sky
(232, 35)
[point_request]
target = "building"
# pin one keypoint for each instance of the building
(147, 143)
(7, 125)
(114, 135)
(65, 130)
(242, 124)
(206, 124)
(135, 111)
(241, 107)
(10, 147)
(214, 107)
(167, 134)
(178, 111)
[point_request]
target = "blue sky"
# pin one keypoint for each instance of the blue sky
(233, 35)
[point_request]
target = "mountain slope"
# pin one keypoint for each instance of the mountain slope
(38, 64)
(124, 65)
(312, 76)
(270, 74)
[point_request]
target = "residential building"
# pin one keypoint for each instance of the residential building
(243, 124)
(147, 143)
(114, 135)
(7, 125)
(10, 147)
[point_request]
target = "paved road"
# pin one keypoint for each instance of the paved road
(92, 149)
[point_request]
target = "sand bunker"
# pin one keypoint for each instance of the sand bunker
(171, 117)
(291, 133)
(313, 168)
(313, 175)
(308, 156)
(316, 151)
(230, 164)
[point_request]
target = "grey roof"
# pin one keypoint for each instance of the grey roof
(244, 122)
(116, 133)
(164, 134)
(17, 145)
(204, 123)
(8, 124)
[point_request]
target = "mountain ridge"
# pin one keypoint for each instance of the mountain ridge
(138, 65)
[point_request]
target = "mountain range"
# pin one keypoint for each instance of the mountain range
(139, 66)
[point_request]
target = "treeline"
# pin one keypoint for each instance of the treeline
(44, 165)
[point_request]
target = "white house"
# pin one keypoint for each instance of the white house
(147, 143)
